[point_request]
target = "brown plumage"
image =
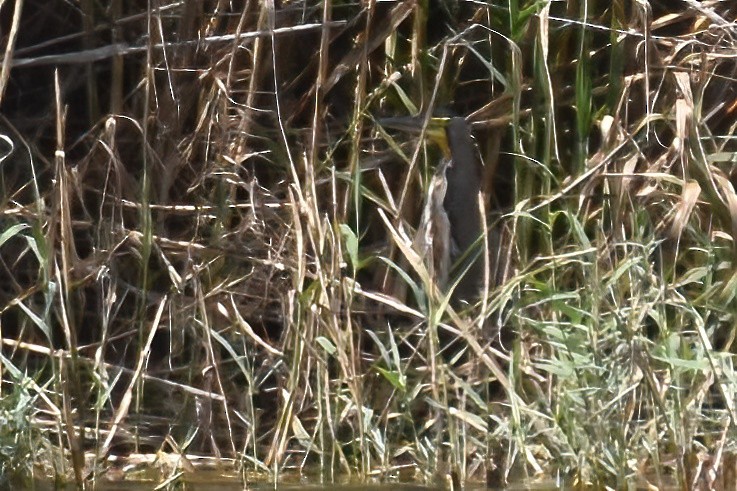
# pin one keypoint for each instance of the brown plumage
(451, 225)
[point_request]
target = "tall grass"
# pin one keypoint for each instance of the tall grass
(208, 246)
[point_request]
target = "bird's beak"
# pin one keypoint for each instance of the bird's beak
(413, 125)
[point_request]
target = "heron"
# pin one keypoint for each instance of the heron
(451, 227)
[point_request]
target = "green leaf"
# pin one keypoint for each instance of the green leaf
(395, 378)
(351, 246)
(36, 320)
(12, 232)
(326, 344)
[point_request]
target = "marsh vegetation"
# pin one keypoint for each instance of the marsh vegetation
(208, 254)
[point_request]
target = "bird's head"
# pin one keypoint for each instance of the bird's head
(435, 131)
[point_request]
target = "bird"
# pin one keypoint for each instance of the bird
(451, 227)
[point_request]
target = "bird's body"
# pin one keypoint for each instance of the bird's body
(452, 223)
(433, 235)
(463, 174)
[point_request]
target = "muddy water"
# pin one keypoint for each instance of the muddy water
(208, 479)
(231, 485)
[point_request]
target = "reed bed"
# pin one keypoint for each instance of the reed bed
(207, 253)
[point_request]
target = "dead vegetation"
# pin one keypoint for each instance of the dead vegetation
(206, 242)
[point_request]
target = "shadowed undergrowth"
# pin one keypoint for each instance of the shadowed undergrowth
(208, 241)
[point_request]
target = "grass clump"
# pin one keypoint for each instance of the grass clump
(208, 243)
